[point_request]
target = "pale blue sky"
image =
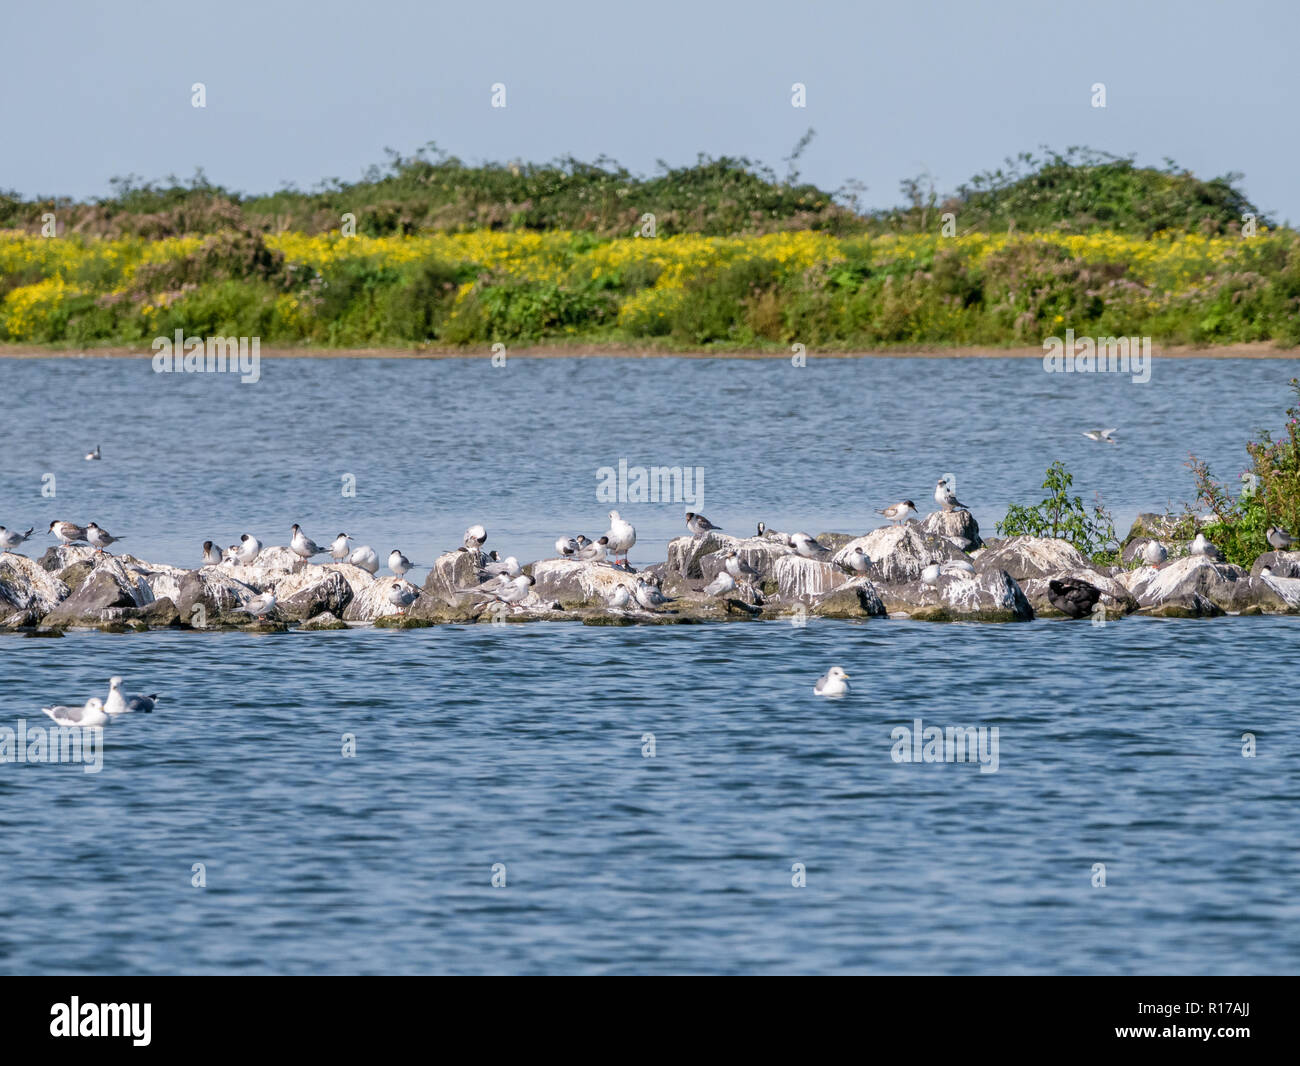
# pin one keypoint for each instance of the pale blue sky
(301, 91)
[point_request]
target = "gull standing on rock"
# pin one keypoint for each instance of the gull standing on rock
(249, 549)
(68, 533)
(340, 549)
(211, 554)
(364, 558)
(398, 563)
(946, 498)
(899, 512)
(1278, 537)
(302, 545)
(620, 536)
(99, 538)
(698, 524)
(832, 683)
(1154, 553)
(807, 546)
(92, 714)
(119, 704)
(11, 538)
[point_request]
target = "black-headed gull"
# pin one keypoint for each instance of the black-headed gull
(211, 554)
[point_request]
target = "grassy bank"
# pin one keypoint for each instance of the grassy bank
(686, 291)
(439, 254)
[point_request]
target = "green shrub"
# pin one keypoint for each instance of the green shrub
(1065, 517)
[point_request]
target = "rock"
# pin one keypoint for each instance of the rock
(855, 598)
(898, 554)
(26, 585)
(19, 620)
(577, 583)
(795, 578)
(1286, 589)
(959, 596)
(324, 620)
(310, 591)
(833, 541)
(1030, 557)
(1195, 586)
(217, 591)
(1283, 564)
(452, 571)
(159, 614)
(686, 554)
(108, 589)
(957, 526)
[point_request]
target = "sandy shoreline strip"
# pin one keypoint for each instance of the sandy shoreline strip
(1254, 350)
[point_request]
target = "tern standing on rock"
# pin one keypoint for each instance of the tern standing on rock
(364, 558)
(698, 524)
(302, 545)
(1201, 546)
(899, 512)
(832, 683)
(99, 538)
(514, 591)
(398, 563)
(402, 595)
(620, 536)
(340, 549)
(249, 549)
(648, 596)
(619, 597)
(260, 606)
(1154, 553)
(946, 498)
(566, 546)
(739, 569)
(211, 554)
(68, 533)
(720, 586)
(857, 561)
(1278, 537)
(11, 538)
(475, 538)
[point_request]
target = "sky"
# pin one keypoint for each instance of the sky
(297, 92)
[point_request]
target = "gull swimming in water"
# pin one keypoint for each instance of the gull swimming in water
(340, 549)
(92, 714)
(93, 455)
(649, 596)
(119, 704)
(402, 595)
(398, 563)
(1154, 553)
(302, 545)
(698, 524)
(249, 549)
(1100, 435)
(365, 558)
(807, 546)
(898, 512)
(11, 538)
(1278, 537)
(211, 554)
(832, 683)
(99, 538)
(739, 569)
(946, 498)
(260, 606)
(68, 533)
(620, 536)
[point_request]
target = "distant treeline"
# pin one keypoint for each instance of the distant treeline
(1076, 191)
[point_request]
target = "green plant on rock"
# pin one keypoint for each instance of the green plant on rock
(1270, 495)
(1064, 517)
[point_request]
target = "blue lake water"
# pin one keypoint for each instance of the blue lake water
(523, 745)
